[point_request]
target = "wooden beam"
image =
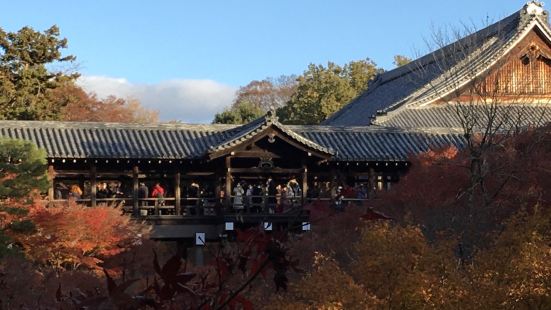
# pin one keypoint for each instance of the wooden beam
(76, 173)
(199, 173)
(93, 185)
(264, 133)
(255, 154)
(51, 184)
(135, 191)
(272, 170)
(177, 194)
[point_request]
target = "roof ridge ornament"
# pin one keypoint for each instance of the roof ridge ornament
(271, 115)
(534, 8)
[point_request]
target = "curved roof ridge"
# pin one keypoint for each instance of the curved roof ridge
(270, 119)
(99, 125)
(393, 89)
(437, 88)
(446, 50)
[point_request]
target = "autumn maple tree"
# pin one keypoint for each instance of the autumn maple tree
(71, 236)
(436, 251)
(41, 242)
(82, 106)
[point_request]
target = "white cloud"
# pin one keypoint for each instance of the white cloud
(192, 101)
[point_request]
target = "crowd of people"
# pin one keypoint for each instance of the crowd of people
(248, 195)
(279, 196)
(269, 196)
(74, 191)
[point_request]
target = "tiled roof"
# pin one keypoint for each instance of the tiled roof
(175, 141)
(408, 119)
(374, 144)
(439, 73)
(111, 140)
(450, 116)
(248, 131)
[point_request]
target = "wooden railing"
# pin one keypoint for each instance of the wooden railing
(209, 206)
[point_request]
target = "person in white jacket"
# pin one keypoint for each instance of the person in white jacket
(238, 197)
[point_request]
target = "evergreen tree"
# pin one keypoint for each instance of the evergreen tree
(400, 60)
(241, 113)
(22, 168)
(26, 80)
(321, 91)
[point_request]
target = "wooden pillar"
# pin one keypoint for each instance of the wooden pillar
(177, 194)
(228, 181)
(372, 183)
(135, 191)
(93, 187)
(198, 255)
(304, 183)
(51, 185)
(332, 181)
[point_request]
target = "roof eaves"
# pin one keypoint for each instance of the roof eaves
(509, 23)
(429, 92)
(261, 124)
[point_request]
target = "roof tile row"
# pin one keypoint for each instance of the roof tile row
(94, 140)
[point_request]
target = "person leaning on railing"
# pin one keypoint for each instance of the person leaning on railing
(238, 192)
(143, 194)
(220, 200)
(75, 192)
(159, 193)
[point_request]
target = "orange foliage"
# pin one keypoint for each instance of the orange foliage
(327, 286)
(84, 107)
(71, 236)
(455, 241)
(438, 155)
(441, 193)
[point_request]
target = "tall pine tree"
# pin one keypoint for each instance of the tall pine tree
(26, 77)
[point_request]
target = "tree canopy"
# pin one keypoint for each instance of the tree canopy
(22, 172)
(256, 98)
(270, 93)
(241, 113)
(453, 254)
(37, 83)
(323, 90)
(26, 75)
(78, 105)
(307, 99)
(400, 60)
(22, 168)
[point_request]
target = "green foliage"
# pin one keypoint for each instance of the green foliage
(22, 168)
(240, 113)
(14, 211)
(309, 99)
(26, 81)
(256, 98)
(400, 60)
(321, 91)
(7, 248)
(23, 227)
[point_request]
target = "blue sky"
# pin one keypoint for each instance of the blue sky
(141, 48)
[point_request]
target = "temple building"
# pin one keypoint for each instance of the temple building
(215, 177)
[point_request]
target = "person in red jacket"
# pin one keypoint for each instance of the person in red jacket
(159, 193)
